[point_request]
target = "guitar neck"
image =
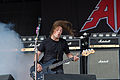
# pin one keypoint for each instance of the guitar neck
(62, 62)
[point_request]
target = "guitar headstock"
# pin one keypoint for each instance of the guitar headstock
(88, 52)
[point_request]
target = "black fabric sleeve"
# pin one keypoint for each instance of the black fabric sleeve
(66, 47)
(41, 47)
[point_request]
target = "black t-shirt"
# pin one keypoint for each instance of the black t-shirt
(53, 49)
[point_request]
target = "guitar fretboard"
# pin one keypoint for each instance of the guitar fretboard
(62, 62)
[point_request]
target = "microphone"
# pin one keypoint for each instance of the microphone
(39, 21)
(38, 27)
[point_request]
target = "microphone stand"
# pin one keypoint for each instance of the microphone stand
(36, 51)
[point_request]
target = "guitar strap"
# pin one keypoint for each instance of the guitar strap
(58, 50)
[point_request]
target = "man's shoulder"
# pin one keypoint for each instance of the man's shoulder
(61, 39)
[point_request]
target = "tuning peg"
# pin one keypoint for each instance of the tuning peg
(84, 52)
(92, 51)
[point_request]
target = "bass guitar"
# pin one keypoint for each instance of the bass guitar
(47, 67)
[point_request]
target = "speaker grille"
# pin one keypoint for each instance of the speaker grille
(104, 64)
(71, 67)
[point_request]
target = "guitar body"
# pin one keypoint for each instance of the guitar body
(45, 70)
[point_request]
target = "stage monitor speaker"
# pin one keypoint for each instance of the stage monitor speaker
(71, 67)
(105, 64)
(6, 77)
(69, 77)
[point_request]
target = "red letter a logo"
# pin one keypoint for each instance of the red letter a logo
(108, 9)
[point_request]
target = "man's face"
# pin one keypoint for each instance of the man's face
(57, 32)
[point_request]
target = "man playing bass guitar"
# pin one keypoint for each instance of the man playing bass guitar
(54, 47)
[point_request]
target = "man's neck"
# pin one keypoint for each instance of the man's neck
(54, 38)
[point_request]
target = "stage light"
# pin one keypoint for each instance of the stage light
(24, 39)
(81, 37)
(107, 35)
(85, 34)
(30, 39)
(41, 38)
(94, 35)
(100, 35)
(70, 37)
(64, 37)
(114, 35)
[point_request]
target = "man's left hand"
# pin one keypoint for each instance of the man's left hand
(76, 58)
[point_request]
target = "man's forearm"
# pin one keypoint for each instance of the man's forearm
(69, 55)
(38, 54)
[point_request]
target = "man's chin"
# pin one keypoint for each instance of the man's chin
(57, 37)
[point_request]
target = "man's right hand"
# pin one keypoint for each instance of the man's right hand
(39, 67)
